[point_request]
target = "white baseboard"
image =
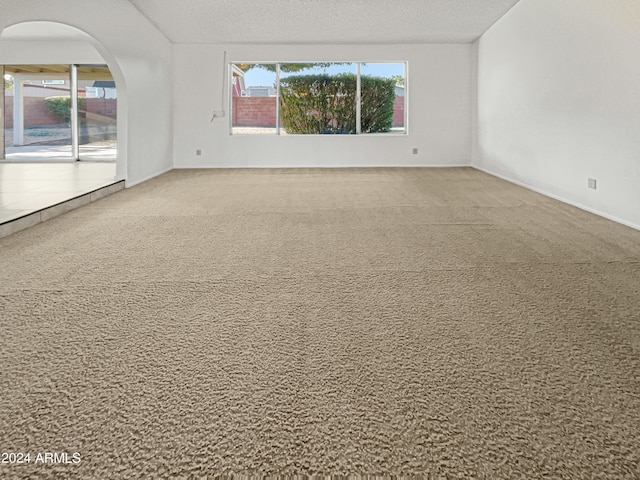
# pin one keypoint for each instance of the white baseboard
(204, 167)
(129, 184)
(560, 199)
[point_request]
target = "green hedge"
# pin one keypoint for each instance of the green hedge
(61, 106)
(327, 103)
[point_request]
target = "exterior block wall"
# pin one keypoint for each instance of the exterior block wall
(102, 107)
(37, 114)
(398, 112)
(254, 111)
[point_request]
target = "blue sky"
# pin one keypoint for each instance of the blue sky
(264, 78)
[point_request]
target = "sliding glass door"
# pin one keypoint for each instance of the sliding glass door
(58, 112)
(97, 113)
(37, 102)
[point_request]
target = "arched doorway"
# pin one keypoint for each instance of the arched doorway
(62, 61)
(53, 53)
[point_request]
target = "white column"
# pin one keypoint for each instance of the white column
(18, 111)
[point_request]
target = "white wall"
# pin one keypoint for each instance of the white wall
(36, 52)
(559, 102)
(139, 57)
(439, 90)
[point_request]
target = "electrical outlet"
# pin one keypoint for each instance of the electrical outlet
(198, 152)
(591, 183)
(415, 151)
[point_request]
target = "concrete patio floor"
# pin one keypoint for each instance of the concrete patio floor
(57, 153)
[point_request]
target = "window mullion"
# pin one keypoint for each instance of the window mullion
(358, 101)
(277, 99)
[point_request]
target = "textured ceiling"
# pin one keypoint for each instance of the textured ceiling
(323, 21)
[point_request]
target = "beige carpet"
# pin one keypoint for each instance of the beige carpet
(413, 322)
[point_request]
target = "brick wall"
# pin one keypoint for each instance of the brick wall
(8, 112)
(37, 114)
(254, 111)
(103, 107)
(398, 112)
(261, 112)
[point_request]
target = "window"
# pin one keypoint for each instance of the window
(344, 98)
(372, 112)
(254, 100)
(318, 99)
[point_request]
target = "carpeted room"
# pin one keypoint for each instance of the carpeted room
(372, 321)
(416, 322)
